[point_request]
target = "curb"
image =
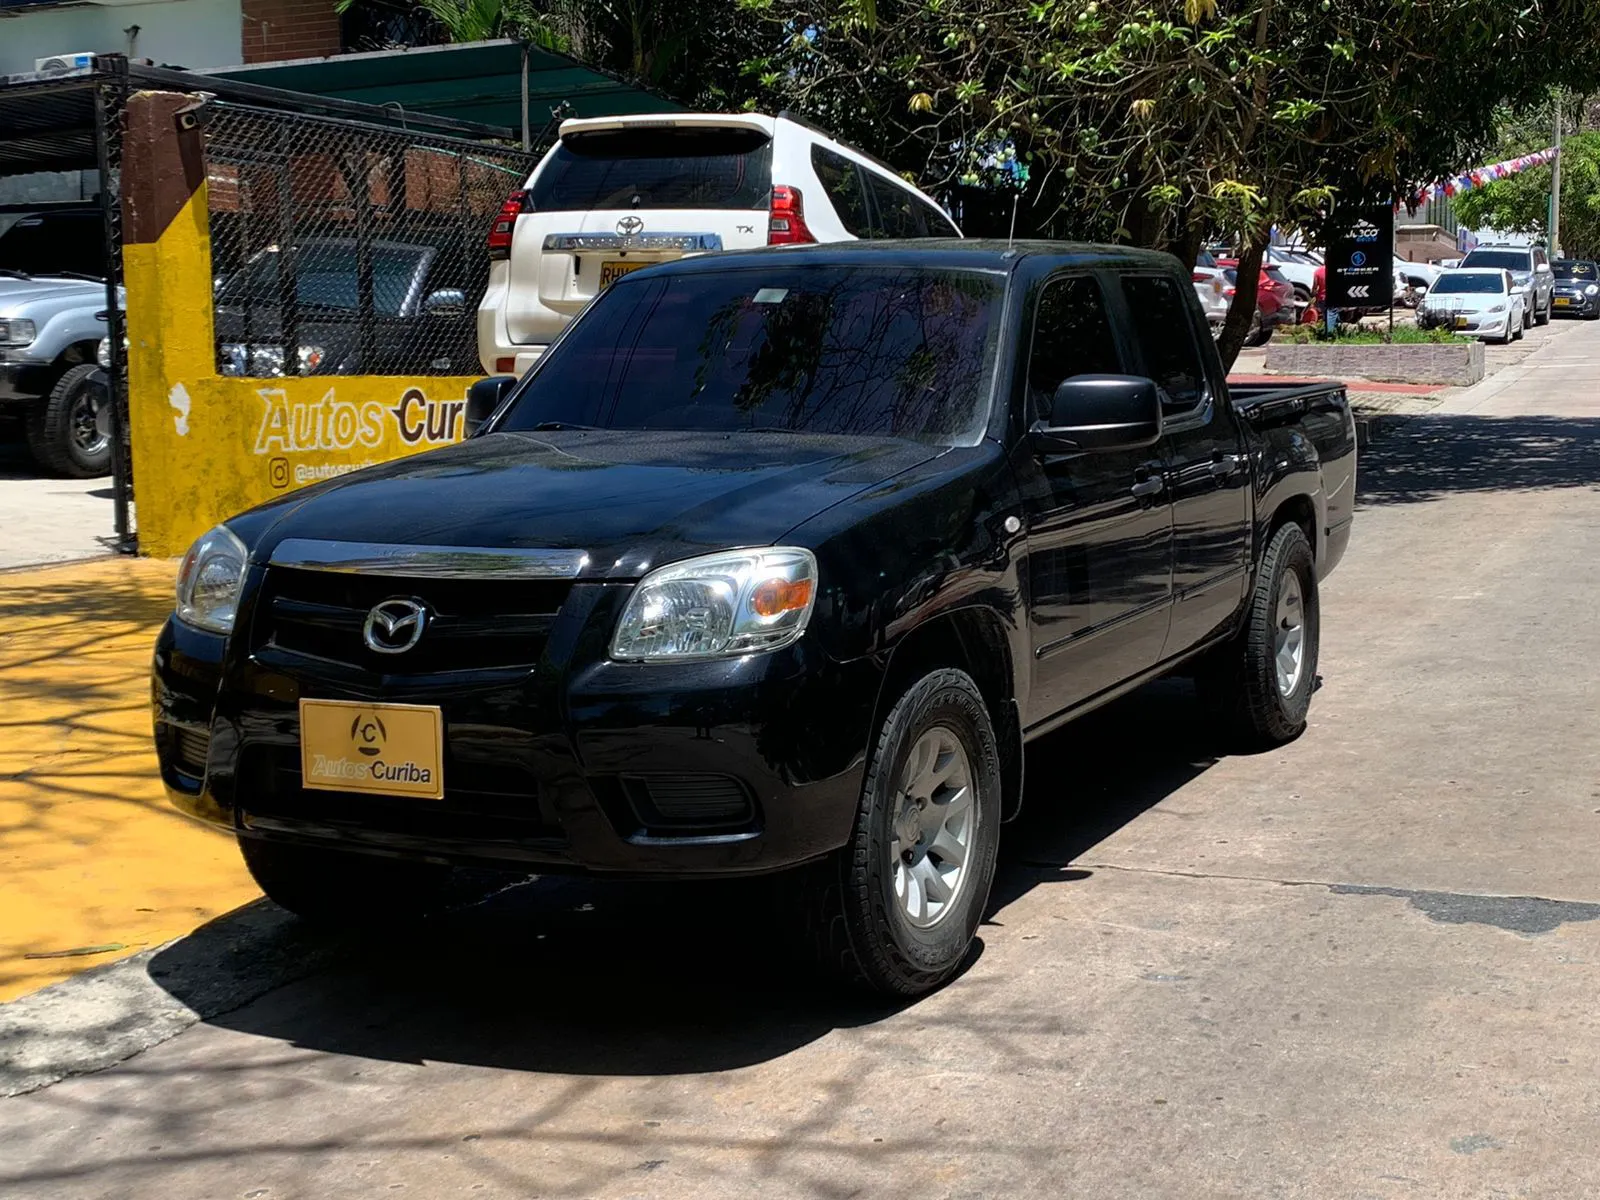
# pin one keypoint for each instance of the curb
(110, 1013)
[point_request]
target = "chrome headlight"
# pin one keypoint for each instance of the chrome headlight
(102, 354)
(721, 605)
(1592, 290)
(210, 579)
(17, 332)
(1496, 308)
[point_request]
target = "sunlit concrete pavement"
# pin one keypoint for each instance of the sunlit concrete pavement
(1362, 966)
(46, 519)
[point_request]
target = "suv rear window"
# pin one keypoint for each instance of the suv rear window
(682, 167)
(1505, 260)
(885, 351)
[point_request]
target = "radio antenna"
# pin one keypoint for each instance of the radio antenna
(1016, 199)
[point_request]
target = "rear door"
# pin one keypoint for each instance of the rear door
(1207, 479)
(1099, 569)
(609, 200)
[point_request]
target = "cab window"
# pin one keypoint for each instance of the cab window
(1071, 336)
(1163, 327)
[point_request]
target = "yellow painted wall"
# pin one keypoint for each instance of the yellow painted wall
(207, 446)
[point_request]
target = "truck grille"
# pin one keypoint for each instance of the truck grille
(471, 623)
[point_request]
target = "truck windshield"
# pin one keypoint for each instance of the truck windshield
(325, 277)
(1509, 260)
(887, 351)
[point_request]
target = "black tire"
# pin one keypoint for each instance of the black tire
(1239, 686)
(856, 924)
(1549, 311)
(344, 888)
(53, 436)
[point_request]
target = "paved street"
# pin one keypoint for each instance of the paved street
(1361, 966)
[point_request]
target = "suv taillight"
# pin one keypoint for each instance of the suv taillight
(786, 220)
(505, 224)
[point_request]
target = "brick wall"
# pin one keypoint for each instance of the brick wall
(279, 29)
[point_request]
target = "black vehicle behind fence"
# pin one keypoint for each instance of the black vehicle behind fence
(1577, 288)
(774, 563)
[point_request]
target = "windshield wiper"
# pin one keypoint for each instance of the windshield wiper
(554, 426)
(14, 273)
(77, 275)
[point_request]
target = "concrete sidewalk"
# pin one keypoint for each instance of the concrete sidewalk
(93, 863)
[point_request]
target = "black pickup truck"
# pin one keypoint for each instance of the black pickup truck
(775, 561)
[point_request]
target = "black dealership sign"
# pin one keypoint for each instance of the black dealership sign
(1360, 261)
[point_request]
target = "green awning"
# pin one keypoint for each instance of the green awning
(478, 81)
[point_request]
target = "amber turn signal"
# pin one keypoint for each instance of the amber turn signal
(777, 596)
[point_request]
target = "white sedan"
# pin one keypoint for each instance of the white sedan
(1483, 302)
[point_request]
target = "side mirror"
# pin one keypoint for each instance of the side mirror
(1101, 412)
(484, 397)
(446, 302)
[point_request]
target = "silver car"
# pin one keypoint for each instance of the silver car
(1530, 270)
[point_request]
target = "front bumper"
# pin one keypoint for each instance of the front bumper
(573, 763)
(20, 381)
(1578, 305)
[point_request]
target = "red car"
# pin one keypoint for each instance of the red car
(1274, 300)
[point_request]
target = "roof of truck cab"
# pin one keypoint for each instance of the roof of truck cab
(992, 254)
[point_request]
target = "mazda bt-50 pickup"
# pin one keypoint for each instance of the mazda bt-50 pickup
(774, 562)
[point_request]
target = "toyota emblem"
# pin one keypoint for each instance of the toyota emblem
(394, 626)
(630, 225)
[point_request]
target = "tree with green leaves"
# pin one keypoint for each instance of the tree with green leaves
(1519, 203)
(1160, 122)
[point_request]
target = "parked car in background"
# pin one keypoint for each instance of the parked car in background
(1275, 301)
(419, 320)
(1214, 289)
(1577, 288)
(1487, 303)
(764, 567)
(1530, 269)
(615, 194)
(52, 316)
(1296, 267)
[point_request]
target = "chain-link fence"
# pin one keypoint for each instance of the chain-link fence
(341, 248)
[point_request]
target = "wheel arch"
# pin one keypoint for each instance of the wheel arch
(973, 639)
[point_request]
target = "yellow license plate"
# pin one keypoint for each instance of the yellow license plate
(1562, 301)
(613, 269)
(379, 749)
(1461, 322)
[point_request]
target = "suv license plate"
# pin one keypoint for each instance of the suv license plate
(378, 749)
(613, 269)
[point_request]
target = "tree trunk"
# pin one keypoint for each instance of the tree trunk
(1187, 247)
(1240, 312)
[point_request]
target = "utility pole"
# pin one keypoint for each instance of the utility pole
(1555, 187)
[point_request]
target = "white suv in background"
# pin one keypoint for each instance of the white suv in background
(618, 193)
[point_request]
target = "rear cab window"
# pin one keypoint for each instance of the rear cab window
(656, 167)
(841, 179)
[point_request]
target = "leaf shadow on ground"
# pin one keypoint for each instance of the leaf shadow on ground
(580, 977)
(1426, 458)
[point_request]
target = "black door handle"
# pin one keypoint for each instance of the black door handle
(1148, 487)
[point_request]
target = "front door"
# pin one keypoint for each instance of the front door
(1208, 478)
(1099, 566)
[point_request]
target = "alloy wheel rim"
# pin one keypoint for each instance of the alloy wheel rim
(1289, 634)
(931, 836)
(85, 423)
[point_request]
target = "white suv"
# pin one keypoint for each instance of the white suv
(619, 193)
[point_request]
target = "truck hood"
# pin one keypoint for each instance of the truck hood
(631, 500)
(16, 294)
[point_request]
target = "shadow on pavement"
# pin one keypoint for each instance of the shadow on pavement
(1427, 457)
(572, 976)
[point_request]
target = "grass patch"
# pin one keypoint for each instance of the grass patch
(1404, 335)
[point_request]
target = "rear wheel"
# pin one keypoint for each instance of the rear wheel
(65, 433)
(895, 910)
(1259, 685)
(339, 887)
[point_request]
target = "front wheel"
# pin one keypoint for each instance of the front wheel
(340, 887)
(895, 910)
(65, 432)
(1543, 318)
(1259, 685)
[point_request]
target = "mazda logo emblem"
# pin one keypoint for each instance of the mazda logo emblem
(394, 626)
(630, 225)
